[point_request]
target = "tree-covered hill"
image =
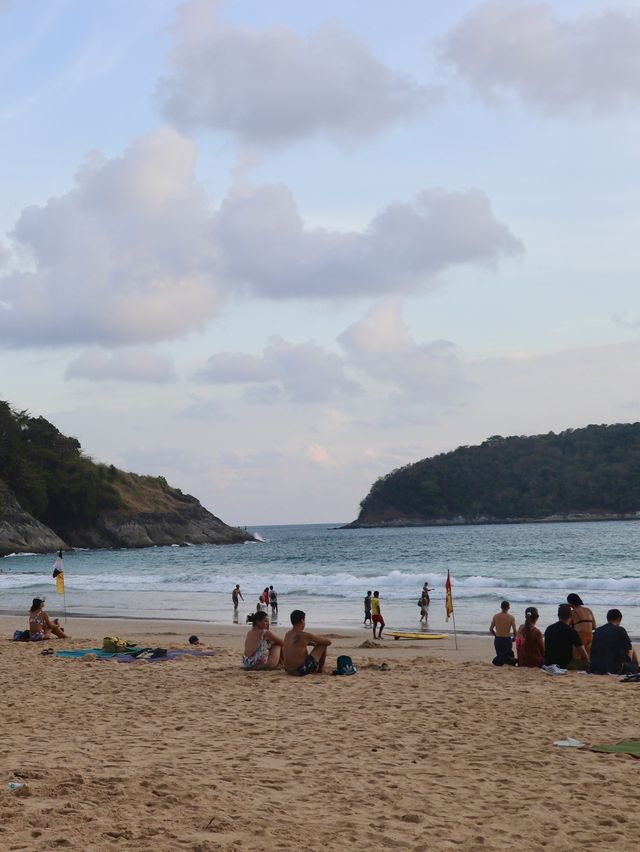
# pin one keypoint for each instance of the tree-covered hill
(51, 494)
(586, 473)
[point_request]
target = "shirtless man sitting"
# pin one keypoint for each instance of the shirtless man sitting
(296, 657)
(503, 628)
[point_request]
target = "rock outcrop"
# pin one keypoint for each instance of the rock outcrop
(22, 533)
(155, 514)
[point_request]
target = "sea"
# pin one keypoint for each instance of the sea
(327, 571)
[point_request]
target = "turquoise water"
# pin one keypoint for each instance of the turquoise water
(326, 572)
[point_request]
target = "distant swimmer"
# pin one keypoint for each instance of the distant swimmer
(235, 595)
(503, 629)
(298, 660)
(378, 620)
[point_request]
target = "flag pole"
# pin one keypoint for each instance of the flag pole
(449, 610)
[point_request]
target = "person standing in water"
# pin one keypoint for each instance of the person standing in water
(235, 595)
(273, 602)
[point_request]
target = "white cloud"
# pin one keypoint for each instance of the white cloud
(403, 247)
(302, 372)
(273, 86)
(381, 345)
(135, 253)
(121, 258)
(509, 46)
(123, 366)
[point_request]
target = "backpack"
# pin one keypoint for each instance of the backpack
(115, 645)
(345, 666)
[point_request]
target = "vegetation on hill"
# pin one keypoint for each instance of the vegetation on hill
(591, 471)
(49, 475)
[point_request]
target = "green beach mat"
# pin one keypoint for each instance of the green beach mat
(631, 747)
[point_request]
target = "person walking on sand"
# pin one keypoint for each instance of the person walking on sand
(377, 615)
(297, 658)
(367, 608)
(235, 595)
(503, 629)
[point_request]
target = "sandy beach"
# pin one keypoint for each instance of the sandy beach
(439, 751)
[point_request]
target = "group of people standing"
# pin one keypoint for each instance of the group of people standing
(573, 641)
(268, 598)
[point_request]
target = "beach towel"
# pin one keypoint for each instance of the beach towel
(631, 747)
(99, 654)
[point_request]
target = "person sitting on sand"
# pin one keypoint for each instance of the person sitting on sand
(296, 656)
(261, 647)
(559, 641)
(40, 625)
(611, 651)
(503, 630)
(582, 620)
(529, 641)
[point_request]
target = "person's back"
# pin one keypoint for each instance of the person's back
(529, 642)
(611, 650)
(560, 639)
(296, 658)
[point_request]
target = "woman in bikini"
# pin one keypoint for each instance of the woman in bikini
(582, 620)
(261, 647)
(40, 625)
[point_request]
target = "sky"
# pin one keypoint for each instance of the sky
(274, 249)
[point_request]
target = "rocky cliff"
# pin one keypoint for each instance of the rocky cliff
(152, 513)
(22, 533)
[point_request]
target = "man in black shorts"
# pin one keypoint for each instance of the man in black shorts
(295, 654)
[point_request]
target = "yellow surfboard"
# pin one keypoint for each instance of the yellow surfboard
(398, 635)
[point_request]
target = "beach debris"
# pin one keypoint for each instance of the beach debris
(369, 643)
(18, 788)
(569, 742)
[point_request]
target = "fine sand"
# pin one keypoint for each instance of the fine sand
(439, 751)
